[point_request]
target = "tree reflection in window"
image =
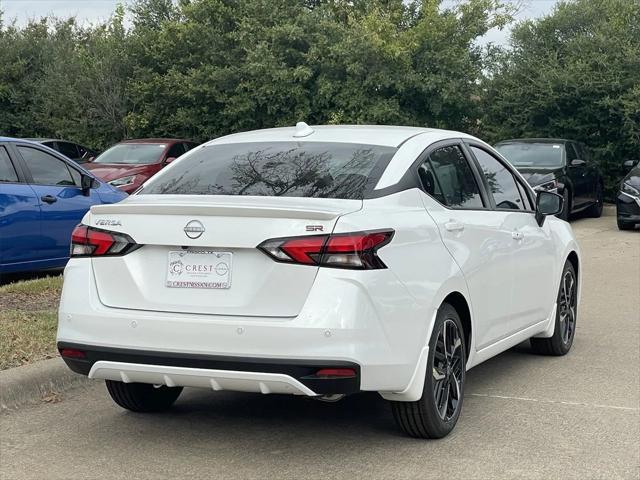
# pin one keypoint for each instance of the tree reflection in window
(314, 169)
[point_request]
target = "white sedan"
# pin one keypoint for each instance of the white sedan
(320, 261)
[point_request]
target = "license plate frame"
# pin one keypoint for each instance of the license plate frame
(199, 269)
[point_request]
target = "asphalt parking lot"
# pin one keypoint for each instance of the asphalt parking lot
(524, 416)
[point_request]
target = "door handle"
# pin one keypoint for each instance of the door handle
(517, 235)
(453, 226)
(48, 199)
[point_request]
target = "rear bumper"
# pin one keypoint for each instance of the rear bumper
(208, 371)
(377, 329)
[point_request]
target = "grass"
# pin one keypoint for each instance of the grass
(28, 320)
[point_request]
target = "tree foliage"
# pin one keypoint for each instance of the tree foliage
(574, 74)
(203, 68)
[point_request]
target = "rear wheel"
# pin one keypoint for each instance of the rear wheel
(142, 397)
(566, 315)
(595, 210)
(435, 414)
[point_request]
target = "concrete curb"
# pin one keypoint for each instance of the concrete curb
(31, 383)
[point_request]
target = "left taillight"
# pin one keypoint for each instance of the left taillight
(93, 242)
(357, 251)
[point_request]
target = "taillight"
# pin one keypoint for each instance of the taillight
(343, 250)
(94, 242)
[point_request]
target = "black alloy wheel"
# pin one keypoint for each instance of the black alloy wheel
(566, 316)
(447, 370)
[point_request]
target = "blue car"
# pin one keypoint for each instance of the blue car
(43, 196)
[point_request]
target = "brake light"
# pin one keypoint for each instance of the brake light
(94, 242)
(343, 250)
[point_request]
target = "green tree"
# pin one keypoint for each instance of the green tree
(573, 74)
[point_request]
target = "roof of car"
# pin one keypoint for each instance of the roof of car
(383, 135)
(12, 139)
(535, 140)
(154, 140)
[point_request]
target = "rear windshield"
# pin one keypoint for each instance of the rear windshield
(276, 169)
(133, 153)
(528, 154)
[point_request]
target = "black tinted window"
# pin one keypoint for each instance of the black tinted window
(69, 150)
(7, 172)
(455, 184)
(289, 169)
(176, 150)
(46, 169)
(500, 180)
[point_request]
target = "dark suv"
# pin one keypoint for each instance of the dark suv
(558, 165)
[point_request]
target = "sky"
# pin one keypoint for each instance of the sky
(96, 10)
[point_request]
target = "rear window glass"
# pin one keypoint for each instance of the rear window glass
(274, 169)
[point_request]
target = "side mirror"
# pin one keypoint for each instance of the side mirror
(169, 160)
(86, 182)
(91, 159)
(547, 203)
(576, 162)
(630, 163)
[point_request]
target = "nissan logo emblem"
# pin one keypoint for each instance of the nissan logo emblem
(194, 229)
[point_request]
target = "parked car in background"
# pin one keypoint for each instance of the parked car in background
(321, 262)
(558, 165)
(43, 196)
(628, 199)
(128, 164)
(74, 151)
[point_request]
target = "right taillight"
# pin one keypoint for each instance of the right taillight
(356, 250)
(93, 242)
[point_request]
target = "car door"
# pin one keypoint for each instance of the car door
(592, 173)
(19, 214)
(62, 203)
(472, 232)
(579, 177)
(533, 252)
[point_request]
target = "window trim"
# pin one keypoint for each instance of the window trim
(16, 169)
(514, 172)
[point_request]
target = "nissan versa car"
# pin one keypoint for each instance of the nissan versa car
(560, 166)
(320, 262)
(628, 199)
(128, 164)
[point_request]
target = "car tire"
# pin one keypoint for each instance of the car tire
(595, 210)
(434, 415)
(142, 397)
(566, 206)
(566, 316)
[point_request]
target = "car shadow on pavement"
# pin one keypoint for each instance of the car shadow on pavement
(6, 278)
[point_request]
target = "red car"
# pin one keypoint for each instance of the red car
(128, 164)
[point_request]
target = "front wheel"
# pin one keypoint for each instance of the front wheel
(625, 226)
(566, 315)
(435, 414)
(595, 210)
(142, 397)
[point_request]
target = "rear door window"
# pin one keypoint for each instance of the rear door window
(447, 176)
(7, 171)
(45, 168)
(288, 169)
